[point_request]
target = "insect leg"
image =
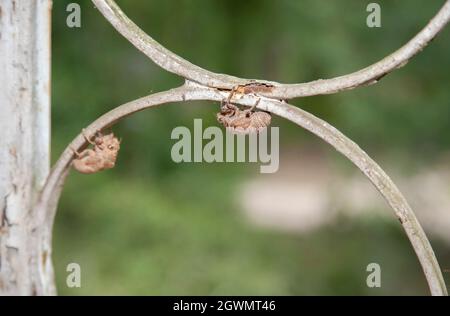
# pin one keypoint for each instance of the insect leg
(98, 133)
(230, 96)
(255, 105)
(83, 131)
(227, 103)
(76, 153)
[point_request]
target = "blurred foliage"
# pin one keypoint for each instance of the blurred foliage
(151, 226)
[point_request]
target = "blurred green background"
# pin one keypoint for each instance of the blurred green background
(151, 226)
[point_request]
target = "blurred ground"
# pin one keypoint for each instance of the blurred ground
(309, 193)
(150, 226)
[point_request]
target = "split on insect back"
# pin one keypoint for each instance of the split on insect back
(102, 156)
(242, 121)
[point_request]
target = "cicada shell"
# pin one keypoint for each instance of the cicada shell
(244, 122)
(102, 156)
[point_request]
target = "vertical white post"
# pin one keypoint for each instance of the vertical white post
(25, 251)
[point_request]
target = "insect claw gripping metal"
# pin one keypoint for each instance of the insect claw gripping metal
(242, 121)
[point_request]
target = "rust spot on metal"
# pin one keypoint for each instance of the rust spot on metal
(254, 87)
(44, 258)
(4, 223)
(13, 152)
(34, 290)
(401, 221)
